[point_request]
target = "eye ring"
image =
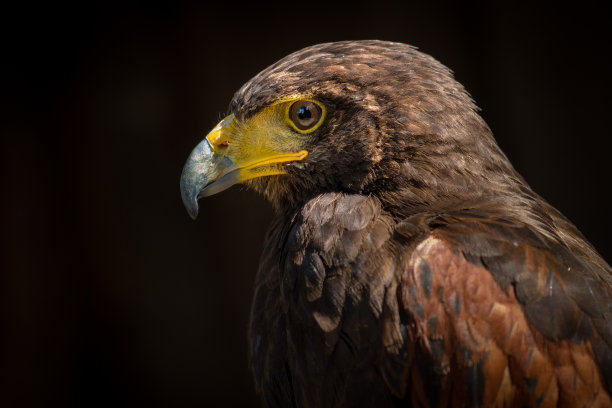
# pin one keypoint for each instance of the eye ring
(305, 115)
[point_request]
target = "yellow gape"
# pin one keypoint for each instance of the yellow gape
(235, 151)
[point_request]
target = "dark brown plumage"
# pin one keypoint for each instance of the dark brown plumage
(409, 264)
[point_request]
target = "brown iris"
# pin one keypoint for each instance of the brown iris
(305, 114)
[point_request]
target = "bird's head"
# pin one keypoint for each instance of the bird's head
(362, 117)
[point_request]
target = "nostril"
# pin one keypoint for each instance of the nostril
(218, 140)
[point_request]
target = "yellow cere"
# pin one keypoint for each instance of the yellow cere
(259, 146)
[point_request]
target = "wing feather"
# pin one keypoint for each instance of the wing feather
(500, 314)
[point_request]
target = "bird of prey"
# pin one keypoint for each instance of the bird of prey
(408, 263)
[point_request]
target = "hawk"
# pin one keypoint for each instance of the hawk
(408, 263)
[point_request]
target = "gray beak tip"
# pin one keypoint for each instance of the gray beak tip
(205, 174)
(189, 194)
(193, 211)
(195, 176)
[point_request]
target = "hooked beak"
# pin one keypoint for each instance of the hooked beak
(230, 155)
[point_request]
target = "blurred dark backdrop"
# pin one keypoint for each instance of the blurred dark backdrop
(110, 295)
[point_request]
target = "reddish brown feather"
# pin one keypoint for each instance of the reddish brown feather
(519, 367)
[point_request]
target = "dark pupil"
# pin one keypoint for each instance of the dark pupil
(304, 113)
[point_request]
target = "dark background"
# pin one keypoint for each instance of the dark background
(110, 295)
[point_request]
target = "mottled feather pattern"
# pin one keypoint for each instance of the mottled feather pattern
(482, 336)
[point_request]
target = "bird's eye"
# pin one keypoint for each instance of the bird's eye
(305, 115)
